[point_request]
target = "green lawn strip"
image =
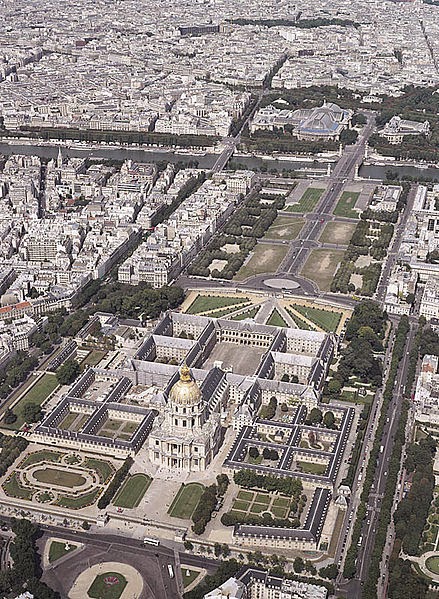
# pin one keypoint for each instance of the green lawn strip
(245, 495)
(41, 456)
(346, 204)
(248, 314)
(241, 505)
(279, 512)
(103, 468)
(310, 468)
(186, 500)
(188, 579)
(77, 503)
(285, 228)
(101, 590)
(299, 322)
(68, 421)
(225, 311)
(36, 395)
(265, 258)
(262, 498)
(58, 549)
(276, 320)
(132, 491)
(130, 427)
(13, 488)
(203, 303)
(307, 202)
(281, 502)
(94, 357)
(258, 508)
(325, 319)
(59, 477)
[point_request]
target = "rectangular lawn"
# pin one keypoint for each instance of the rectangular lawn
(186, 501)
(325, 319)
(307, 202)
(265, 259)
(203, 303)
(345, 205)
(337, 232)
(132, 491)
(285, 228)
(321, 266)
(36, 395)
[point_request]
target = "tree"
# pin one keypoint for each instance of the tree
(294, 378)
(298, 565)
(9, 417)
(330, 572)
(217, 549)
(329, 419)
(315, 416)
(31, 412)
(68, 372)
(334, 386)
(85, 525)
(253, 452)
(188, 545)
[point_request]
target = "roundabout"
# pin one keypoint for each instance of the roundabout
(281, 284)
(109, 580)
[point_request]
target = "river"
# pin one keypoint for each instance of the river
(207, 160)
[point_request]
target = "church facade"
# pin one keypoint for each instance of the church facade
(185, 436)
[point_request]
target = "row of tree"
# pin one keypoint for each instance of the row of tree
(116, 483)
(208, 503)
(350, 565)
(292, 487)
(26, 571)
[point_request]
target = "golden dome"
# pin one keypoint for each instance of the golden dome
(185, 392)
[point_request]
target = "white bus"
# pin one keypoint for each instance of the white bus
(151, 541)
(171, 571)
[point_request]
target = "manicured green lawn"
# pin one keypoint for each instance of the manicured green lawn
(281, 502)
(132, 491)
(299, 322)
(432, 564)
(276, 320)
(59, 477)
(279, 512)
(245, 495)
(346, 204)
(262, 498)
(93, 358)
(103, 468)
(44, 455)
(248, 314)
(68, 421)
(325, 319)
(102, 590)
(202, 303)
(77, 503)
(285, 228)
(36, 395)
(186, 501)
(230, 310)
(241, 505)
(57, 550)
(187, 580)
(308, 201)
(13, 488)
(311, 468)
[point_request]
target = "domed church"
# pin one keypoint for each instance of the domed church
(185, 436)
